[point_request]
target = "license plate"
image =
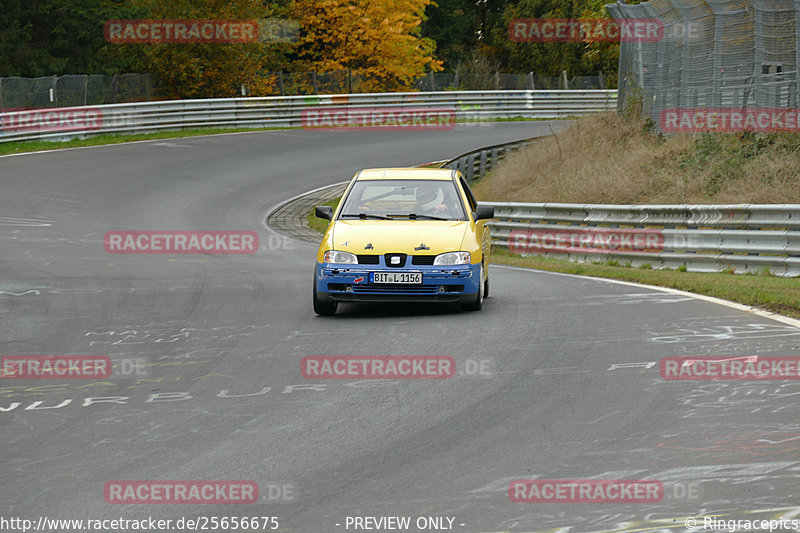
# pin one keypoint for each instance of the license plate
(402, 278)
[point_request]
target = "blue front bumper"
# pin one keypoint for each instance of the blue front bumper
(351, 283)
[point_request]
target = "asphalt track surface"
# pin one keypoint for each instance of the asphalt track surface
(568, 390)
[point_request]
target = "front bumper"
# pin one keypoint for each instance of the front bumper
(350, 283)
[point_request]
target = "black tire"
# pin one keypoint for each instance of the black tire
(478, 303)
(486, 287)
(323, 308)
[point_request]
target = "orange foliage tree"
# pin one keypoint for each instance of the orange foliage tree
(379, 40)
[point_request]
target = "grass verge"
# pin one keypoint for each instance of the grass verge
(770, 293)
(18, 147)
(110, 138)
(320, 224)
(607, 159)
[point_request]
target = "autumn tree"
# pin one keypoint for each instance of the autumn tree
(379, 40)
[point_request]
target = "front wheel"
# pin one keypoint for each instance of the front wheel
(478, 302)
(323, 308)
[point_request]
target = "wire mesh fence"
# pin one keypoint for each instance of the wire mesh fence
(74, 90)
(714, 55)
(79, 90)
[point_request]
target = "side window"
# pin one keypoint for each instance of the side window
(473, 205)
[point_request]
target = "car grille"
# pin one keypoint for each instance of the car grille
(422, 259)
(368, 259)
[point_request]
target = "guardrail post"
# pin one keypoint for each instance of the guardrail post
(482, 169)
(470, 168)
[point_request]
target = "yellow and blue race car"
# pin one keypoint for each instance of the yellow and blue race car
(404, 235)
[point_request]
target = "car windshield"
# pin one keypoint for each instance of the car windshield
(403, 199)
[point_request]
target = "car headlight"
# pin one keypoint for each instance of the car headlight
(452, 258)
(336, 256)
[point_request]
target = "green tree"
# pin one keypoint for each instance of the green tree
(550, 59)
(53, 37)
(207, 70)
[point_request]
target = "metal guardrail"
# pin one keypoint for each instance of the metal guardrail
(285, 111)
(699, 238)
(474, 165)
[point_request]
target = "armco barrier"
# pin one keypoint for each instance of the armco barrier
(699, 238)
(285, 111)
(474, 165)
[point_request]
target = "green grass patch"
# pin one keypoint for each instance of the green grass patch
(320, 224)
(17, 147)
(776, 294)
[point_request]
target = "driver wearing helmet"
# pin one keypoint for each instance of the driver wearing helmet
(430, 200)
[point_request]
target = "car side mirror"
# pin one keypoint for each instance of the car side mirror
(324, 211)
(483, 212)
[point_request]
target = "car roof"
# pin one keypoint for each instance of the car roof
(405, 173)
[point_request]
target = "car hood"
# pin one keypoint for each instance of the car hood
(399, 236)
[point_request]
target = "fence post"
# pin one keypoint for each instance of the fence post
(531, 80)
(2, 105)
(602, 80)
(314, 81)
(53, 93)
(566, 83)
(349, 81)
(280, 82)
(114, 89)
(147, 87)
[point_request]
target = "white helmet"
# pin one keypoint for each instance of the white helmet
(429, 196)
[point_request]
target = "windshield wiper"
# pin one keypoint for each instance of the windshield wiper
(363, 216)
(414, 216)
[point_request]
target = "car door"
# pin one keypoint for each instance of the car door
(481, 226)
